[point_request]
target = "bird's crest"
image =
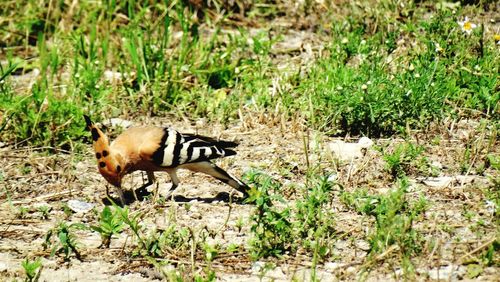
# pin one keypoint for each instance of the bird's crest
(100, 141)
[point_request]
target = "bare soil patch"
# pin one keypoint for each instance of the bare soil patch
(457, 225)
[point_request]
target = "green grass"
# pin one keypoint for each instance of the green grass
(404, 159)
(366, 87)
(395, 216)
(371, 79)
(271, 228)
(379, 70)
(110, 223)
(61, 239)
(279, 228)
(32, 269)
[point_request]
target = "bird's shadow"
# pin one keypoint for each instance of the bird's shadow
(144, 195)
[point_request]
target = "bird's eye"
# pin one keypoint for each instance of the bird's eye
(118, 169)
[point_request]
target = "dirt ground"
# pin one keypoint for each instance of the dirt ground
(33, 179)
(458, 225)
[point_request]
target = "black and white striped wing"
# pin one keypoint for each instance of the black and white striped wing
(177, 149)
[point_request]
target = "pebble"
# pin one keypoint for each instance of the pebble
(362, 245)
(331, 266)
(349, 151)
(438, 182)
(446, 273)
(437, 165)
(3, 266)
(79, 206)
(114, 122)
(196, 215)
(351, 270)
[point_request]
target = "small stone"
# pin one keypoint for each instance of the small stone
(446, 273)
(331, 266)
(276, 273)
(332, 177)
(490, 206)
(196, 215)
(351, 270)
(438, 182)
(113, 76)
(399, 272)
(81, 166)
(3, 266)
(365, 142)
(437, 165)
(258, 266)
(41, 204)
(464, 179)
(80, 206)
(114, 122)
(342, 244)
(362, 245)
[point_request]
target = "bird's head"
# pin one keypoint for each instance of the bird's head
(111, 168)
(111, 165)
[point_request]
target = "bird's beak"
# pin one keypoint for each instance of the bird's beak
(117, 183)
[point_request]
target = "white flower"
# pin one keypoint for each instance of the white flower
(466, 25)
(490, 207)
(439, 49)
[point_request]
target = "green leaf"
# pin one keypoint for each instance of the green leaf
(474, 270)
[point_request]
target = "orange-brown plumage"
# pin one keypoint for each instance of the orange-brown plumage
(153, 149)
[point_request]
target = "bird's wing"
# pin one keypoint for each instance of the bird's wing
(172, 148)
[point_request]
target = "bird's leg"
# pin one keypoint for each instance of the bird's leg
(175, 182)
(122, 196)
(135, 195)
(152, 180)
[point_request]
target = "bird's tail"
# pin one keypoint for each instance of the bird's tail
(217, 172)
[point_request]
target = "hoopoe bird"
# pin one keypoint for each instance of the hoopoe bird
(155, 148)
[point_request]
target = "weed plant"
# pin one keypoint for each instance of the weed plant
(32, 269)
(314, 220)
(110, 223)
(394, 217)
(278, 228)
(404, 159)
(272, 229)
(371, 80)
(66, 242)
